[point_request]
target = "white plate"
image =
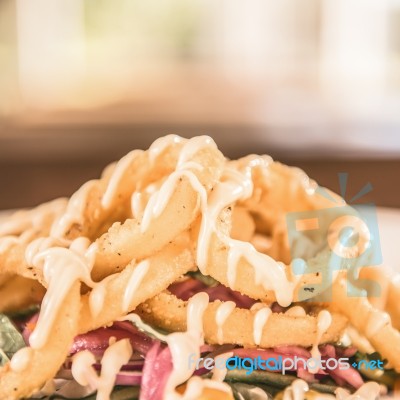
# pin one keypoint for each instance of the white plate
(389, 231)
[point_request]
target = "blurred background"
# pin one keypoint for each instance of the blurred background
(314, 83)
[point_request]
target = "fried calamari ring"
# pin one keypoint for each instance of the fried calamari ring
(99, 203)
(22, 228)
(37, 218)
(243, 226)
(184, 188)
(19, 293)
(45, 362)
(306, 286)
(164, 268)
(392, 304)
(279, 190)
(168, 312)
(5, 277)
(238, 265)
(370, 321)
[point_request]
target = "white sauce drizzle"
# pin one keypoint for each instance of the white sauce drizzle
(296, 390)
(376, 321)
(98, 294)
(192, 146)
(262, 243)
(220, 370)
(258, 306)
(74, 210)
(260, 320)
(269, 273)
(82, 370)
(159, 200)
(134, 281)
(221, 315)
(21, 359)
(196, 385)
(40, 244)
(161, 144)
(224, 194)
(137, 204)
(116, 355)
(61, 269)
(21, 227)
(181, 344)
(296, 311)
(34, 218)
(358, 340)
(7, 242)
(324, 321)
(116, 177)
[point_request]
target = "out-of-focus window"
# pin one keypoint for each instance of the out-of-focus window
(296, 63)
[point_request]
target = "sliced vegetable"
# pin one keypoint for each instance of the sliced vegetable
(275, 380)
(184, 290)
(386, 377)
(156, 371)
(10, 339)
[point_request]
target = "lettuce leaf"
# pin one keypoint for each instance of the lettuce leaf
(11, 339)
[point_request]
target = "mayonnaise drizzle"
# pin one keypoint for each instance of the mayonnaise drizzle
(116, 177)
(98, 294)
(74, 211)
(137, 204)
(368, 391)
(116, 355)
(270, 274)
(7, 242)
(223, 312)
(159, 200)
(61, 269)
(40, 244)
(134, 281)
(376, 321)
(21, 359)
(192, 146)
(358, 340)
(34, 218)
(260, 320)
(196, 385)
(22, 226)
(235, 187)
(161, 144)
(296, 311)
(324, 320)
(220, 370)
(298, 389)
(181, 344)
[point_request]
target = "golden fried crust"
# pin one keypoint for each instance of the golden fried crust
(46, 361)
(168, 312)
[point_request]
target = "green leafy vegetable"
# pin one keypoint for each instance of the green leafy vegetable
(26, 312)
(386, 377)
(120, 393)
(10, 339)
(207, 280)
(274, 380)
